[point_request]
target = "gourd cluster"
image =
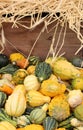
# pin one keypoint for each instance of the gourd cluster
(40, 94)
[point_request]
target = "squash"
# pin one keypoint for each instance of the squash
(34, 127)
(5, 125)
(5, 117)
(31, 83)
(76, 61)
(31, 69)
(52, 87)
(33, 60)
(6, 86)
(16, 103)
(19, 75)
(22, 121)
(4, 60)
(59, 108)
(16, 56)
(22, 63)
(3, 98)
(49, 123)
(35, 98)
(38, 114)
(10, 68)
(43, 71)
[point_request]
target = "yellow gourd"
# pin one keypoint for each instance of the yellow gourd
(31, 69)
(35, 98)
(5, 125)
(16, 102)
(34, 127)
(52, 87)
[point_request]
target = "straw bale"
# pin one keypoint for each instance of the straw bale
(71, 12)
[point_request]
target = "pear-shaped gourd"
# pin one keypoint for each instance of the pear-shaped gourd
(16, 102)
(35, 98)
(5, 125)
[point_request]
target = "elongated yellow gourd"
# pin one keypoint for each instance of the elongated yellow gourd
(5, 125)
(16, 102)
(35, 98)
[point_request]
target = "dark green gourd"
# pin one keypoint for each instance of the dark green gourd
(49, 123)
(3, 98)
(4, 60)
(43, 71)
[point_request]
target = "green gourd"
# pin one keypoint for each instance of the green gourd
(43, 71)
(38, 114)
(76, 61)
(3, 98)
(49, 123)
(33, 60)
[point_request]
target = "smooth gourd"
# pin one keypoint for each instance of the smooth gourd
(5, 125)
(16, 103)
(31, 83)
(35, 98)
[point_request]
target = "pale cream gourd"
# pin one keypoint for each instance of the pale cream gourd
(16, 102)
(31, 83)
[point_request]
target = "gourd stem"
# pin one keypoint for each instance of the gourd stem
(45, 107)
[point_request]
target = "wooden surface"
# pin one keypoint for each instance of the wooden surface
(23, 39)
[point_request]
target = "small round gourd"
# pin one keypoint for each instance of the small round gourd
(38, 114)
(31, 83)
(49, 123)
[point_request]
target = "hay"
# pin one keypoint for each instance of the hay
(71, 12)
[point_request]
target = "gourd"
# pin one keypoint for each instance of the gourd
(5, 117)
(3, 98)
(52, 87)
(22, 121)
(76, 61)
(43, 71)
(49, 123)
(33, 60)
(4, 60)
(31, 69)
(5, 125)
(10, 68)
(35, 98)
(16, 103)
(6, 86)
(59, 108)
(78, 112)
(38, 114)
(66, 123)
(19, 75)
(34, 127)
(31, 83)
(16, 56)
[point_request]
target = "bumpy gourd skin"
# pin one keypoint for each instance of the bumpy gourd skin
(59, 108)
(43, 71)
(64, 69)
(16, 56)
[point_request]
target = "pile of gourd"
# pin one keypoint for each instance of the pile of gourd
(40, 95)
